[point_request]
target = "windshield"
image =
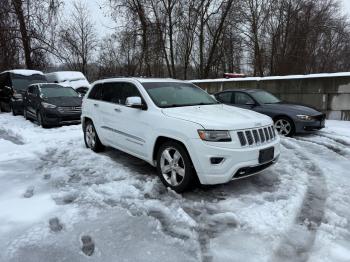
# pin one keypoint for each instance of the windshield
(21, 82)
(175, 94)
(57, 91)
(264, 97)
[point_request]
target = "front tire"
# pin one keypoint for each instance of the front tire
(284, 126)
(40, 119)
(174, 167)
(91, 138)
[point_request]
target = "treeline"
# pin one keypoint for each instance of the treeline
(178, 38)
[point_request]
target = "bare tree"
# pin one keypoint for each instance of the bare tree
(77, 39)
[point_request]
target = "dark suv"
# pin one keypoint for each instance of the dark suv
(13, 85)
(52, 104)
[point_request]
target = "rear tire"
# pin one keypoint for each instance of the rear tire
(174, 167)
(91, 138)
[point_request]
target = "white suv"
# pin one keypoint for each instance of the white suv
(179, 128)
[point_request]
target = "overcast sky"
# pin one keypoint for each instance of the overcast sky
(104, 23)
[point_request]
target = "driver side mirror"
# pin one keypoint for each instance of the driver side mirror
(135, 102)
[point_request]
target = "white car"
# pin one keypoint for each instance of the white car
(73, 79)
(179, 128)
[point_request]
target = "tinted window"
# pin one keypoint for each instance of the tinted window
(174, 94)
(225, 97)
(95, 92)
(118, 92)
(242, 99)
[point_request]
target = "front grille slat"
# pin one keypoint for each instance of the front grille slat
(249, 137)
(266, 134)
(241, 138)
(256, 136)
(69, 109)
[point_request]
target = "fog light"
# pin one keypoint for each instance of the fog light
(216, 160)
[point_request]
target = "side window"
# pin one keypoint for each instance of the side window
(111, 92)
(242, 99)
(129, 90)
(225, 97)
(118, 92)
(95, 92)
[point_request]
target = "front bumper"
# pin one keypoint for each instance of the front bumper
(307, 126)
(53, 117)
(237, 163)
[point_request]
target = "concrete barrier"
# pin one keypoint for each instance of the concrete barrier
(329, 93)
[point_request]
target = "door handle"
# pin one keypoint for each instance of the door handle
(117, 110)
(96, 105)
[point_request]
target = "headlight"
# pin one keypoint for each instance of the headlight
(304, 117)
(215, 135)
(47, 105)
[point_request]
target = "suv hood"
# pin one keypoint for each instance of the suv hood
(64, 101)
(219, 117)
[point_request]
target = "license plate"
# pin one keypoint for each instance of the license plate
(266, 155)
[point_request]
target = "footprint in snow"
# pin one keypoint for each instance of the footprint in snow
(55, 224)
(88, 247)
(29, 192)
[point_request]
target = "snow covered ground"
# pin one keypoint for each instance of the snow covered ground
(61, 202)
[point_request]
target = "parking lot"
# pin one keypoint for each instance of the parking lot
(61, 201)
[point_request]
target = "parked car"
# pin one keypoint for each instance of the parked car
(13, 84)
(52, 104)
(180, 129)
(289, 118)
(74, 79)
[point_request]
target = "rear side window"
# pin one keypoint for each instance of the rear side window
(118, 92)
(95, 92)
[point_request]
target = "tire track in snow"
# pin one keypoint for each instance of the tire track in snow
(300, 238)
(334, 148)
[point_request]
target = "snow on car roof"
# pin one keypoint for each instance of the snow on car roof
(272, 77)
(62, 76)
(24, 72)
(139, 79)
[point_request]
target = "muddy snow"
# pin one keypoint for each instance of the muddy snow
(61, 202)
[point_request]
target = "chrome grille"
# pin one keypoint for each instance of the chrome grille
(69, 109)
(256, 136)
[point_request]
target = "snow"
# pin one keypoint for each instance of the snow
(24, 72)
(296, 211)
(340, 74)
(73, 79)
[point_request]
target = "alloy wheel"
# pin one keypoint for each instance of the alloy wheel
(90, 136)
(172, 166)
(283, 127)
